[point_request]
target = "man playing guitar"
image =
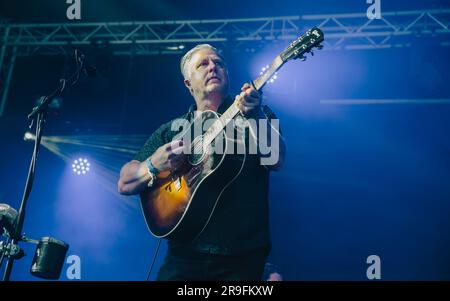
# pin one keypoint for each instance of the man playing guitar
(235, 242)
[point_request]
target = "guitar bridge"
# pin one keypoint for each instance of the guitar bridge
(177, 183)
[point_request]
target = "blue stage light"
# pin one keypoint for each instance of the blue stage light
(81, 166)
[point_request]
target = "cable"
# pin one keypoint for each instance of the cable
(154, 258)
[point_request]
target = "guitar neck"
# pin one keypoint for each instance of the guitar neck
(217, 127)
(259, 82)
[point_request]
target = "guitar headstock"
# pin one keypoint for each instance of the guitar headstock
(311, 39)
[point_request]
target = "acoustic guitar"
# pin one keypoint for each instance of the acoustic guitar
(181, 205)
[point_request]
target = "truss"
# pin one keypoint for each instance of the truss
(342, 31)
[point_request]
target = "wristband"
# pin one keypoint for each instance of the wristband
(151, 168)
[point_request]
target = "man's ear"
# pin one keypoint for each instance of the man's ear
(187, 83)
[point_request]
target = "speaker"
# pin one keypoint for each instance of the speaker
(49, 258)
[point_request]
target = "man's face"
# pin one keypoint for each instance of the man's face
(207, 74)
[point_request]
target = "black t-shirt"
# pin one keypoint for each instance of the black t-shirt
(240, 222)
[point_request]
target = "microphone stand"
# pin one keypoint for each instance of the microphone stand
(38, 116)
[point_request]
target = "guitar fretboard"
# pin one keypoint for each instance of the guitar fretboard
(217, 127)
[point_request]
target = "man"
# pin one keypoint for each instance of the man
(235, 243)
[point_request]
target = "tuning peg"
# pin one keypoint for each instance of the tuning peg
(302, 58)
(320, 47)
(312, 53)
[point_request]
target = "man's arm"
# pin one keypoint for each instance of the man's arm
(135, 176)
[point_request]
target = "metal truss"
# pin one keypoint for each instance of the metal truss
(394, 29)
(342, 31)
(7, 61)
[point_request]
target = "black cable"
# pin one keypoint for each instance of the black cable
(154, 258)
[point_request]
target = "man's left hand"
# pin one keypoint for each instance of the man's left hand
(249, 100)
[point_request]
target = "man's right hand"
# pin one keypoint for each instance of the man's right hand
(169, 156)
(134, 175)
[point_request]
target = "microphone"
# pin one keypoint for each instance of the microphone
(8, 217)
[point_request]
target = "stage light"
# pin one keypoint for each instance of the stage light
(175, 48)
(81, 166)
(273, 78)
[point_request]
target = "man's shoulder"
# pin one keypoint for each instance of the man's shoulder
(186, 116)
(162, 135)
(168, 124)
(170, 128)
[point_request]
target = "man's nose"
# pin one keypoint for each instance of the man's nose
(212, 66)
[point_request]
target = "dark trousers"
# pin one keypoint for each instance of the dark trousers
(186, 264)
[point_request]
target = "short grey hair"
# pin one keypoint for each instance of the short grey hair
(188, 56)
